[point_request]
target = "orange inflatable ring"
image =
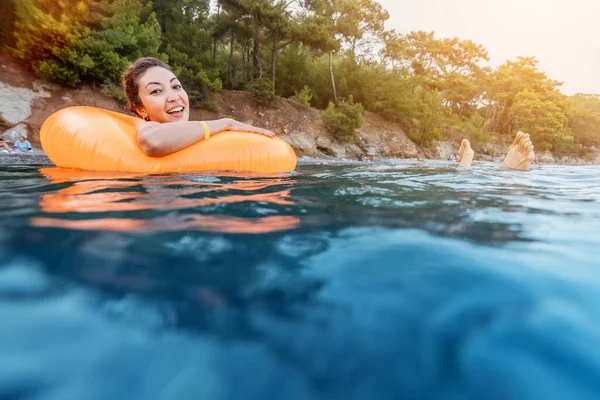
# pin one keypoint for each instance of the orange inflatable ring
(100, 140)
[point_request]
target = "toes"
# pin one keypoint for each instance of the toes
(518, 137)
(521, 138)
(464, 146)
(522, 141)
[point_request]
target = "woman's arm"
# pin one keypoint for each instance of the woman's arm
(158, 140)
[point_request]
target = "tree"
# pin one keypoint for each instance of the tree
(69, 42)
(450, 66)
(344, 119)
(187, 40)
(283, 29)
(8, 18)
(321, 30)
(257, 10)
(585, 120)
(510, 79)
(45, 27)
(361, 26)
(544, 120)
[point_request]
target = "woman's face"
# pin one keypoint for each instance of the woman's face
(163, 97)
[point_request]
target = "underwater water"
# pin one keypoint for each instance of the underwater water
(406, 281)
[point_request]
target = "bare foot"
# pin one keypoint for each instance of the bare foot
(520, 154)
(465, 154)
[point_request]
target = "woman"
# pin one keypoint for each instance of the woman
(156, 95)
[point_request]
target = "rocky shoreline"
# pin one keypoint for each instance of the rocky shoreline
(34, 158)
(38, 157)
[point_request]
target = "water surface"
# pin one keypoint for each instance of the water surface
(412, 281)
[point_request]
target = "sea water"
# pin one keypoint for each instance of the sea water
(362, 281)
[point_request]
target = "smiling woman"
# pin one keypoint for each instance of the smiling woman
(156, 95)
(161, 138)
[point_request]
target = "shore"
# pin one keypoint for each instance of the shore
(37, 157)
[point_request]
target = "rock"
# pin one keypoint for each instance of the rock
(15, 103)
(352, 150)
(326, 146)
(338, 150)
(300, 142)
(446, 150)
(383, 138)
(545, 157)
(373, 150)
(37, 157)
(494, 150)
(12, 133)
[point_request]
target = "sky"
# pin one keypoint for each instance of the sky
(564, 35)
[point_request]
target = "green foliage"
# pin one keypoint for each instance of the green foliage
(110, 89)
(585, 120)
(478, 129)
(188, 44)
(61, 45)
(304, 96)
(263, 90)
(428, 116)
(199, 86)
(8, 18)
(44, 28)
(344, 119)
(55, 71)
(544, 120)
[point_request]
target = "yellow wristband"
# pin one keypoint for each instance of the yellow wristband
(206, 130)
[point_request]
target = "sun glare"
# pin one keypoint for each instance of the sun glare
(559, 33)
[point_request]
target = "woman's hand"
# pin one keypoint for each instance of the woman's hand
(238, 126)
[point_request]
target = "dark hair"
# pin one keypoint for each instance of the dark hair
(131, 76)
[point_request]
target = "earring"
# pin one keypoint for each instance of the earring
(146, 118)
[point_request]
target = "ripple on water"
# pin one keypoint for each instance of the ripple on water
(408, 280)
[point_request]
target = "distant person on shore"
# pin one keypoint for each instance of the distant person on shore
(4, 145)
(22, 145)
(155, 94)
(519, 157)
